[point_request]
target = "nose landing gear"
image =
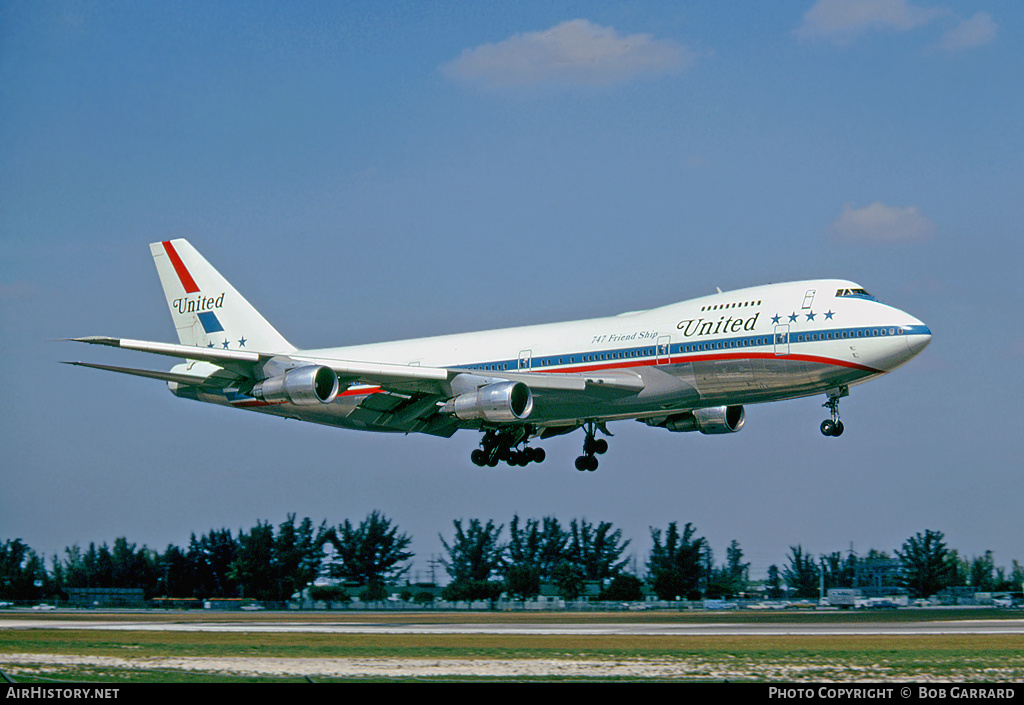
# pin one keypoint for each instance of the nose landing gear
(834, 427)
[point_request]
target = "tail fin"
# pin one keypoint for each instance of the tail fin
(207, 310)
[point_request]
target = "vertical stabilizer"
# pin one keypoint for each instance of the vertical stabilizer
(207, 311)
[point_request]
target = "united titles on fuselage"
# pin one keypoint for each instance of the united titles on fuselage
(699, 326)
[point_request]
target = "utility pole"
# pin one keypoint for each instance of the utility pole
(821, 584)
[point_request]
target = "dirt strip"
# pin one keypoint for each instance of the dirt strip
(691, 669)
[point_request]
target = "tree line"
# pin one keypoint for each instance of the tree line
(483, 561)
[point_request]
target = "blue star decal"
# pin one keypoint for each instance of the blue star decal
(225, 344)
(810, 316)
(210, 344)
(241, 343)
(828, 316)
(792, 318)
(775, 318)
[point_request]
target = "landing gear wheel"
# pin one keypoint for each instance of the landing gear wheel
(503, 445)
(834, 427)
(592, 446)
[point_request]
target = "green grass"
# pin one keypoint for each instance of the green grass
(988, 658)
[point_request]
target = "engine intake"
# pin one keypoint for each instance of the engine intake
(304, 386)
(718, 419)
(499, 403)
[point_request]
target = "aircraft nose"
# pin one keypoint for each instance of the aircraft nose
(918, 337)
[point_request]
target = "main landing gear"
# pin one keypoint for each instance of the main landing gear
(592, 446)
(501, 445)
(509, 445)
(833, 426)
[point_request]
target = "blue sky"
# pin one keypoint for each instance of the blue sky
(374, 171)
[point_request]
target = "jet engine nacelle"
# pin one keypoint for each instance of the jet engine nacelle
(312, 384)
(718, 419)
(499, 403)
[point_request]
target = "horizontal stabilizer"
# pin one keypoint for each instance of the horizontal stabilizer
(189, 380)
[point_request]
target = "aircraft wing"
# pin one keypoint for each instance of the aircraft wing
(245, 362)
(400, 377)
(231, 375)
(372, 395)
(434, 379)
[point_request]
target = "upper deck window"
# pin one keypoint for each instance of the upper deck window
(735, 304)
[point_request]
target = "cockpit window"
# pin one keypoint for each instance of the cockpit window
(855, 293)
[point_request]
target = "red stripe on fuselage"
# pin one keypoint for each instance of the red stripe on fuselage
(675, 360)
(684, 359)
(179, 268)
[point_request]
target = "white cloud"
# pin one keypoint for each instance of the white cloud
(973, 32)
(576, 52)
(842, 21)
(879, 222)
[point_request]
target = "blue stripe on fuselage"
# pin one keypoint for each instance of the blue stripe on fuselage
(647, 353)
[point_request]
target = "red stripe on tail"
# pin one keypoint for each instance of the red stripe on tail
(179, 267)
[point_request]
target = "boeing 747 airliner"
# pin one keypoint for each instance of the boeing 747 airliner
(689, 366)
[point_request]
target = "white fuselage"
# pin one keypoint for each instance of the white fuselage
(753, 345)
